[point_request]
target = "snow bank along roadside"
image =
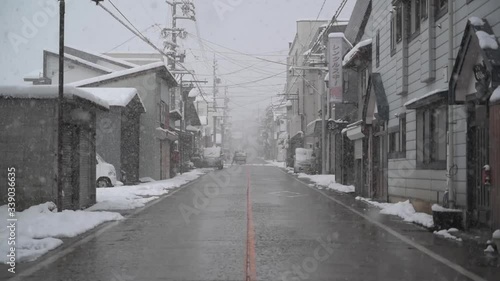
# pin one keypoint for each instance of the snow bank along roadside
(137, 196)
(39, 228)
(327, 182)
(403, 210)
(320, 181)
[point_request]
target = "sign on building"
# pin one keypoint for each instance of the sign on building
(335, 80)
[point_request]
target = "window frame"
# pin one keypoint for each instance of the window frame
(397, 139)
(428, 148)
(413, 14)
(440, 11)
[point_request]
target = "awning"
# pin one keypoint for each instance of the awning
(314, 128)
(429, 98)
(479, 48)
(361, 50)
(354, 131)
(165, 134)
(175, 115)
(375, 103)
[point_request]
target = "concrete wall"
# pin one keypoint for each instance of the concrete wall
(28, 143)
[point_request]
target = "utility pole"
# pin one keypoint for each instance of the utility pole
(60, 107)
(188, 12)
(213, 102)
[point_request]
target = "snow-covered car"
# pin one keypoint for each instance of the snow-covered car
(105, 173)
(213, 158)
(303, 160)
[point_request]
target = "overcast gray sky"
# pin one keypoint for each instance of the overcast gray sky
(228, 28)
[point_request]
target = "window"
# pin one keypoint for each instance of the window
(363, 81)
(397, 139)
(423, 9)
(396, 26)
(413, 17)
(431, 137)
(377, 49)
(164, 115)
(441, 7)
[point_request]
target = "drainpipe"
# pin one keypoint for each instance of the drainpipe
(451, 153)
(323, 131)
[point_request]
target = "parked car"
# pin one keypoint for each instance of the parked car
(240, 157)
(213, 158)
(303, 161)
(105, 173)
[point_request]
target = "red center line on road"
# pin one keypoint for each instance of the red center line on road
(250, 270)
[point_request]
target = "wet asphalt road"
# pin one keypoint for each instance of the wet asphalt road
(201, 232)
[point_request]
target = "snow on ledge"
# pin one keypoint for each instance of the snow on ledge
(424, 96)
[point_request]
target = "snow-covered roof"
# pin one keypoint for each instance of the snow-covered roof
(350, 55)
(495, 97)
(49, 92)
(487, 41)
(103, 57)
(120, 73)
(289, 103)
(115, 96)
(82, 61)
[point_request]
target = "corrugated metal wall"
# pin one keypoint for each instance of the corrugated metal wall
(495, 164)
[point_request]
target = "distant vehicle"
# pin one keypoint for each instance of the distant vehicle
(197, 160)
(240, 157)
(303, 161)
(105, 173)
(213, 158)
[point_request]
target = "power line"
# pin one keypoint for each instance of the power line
(147, 41)
(245, 54)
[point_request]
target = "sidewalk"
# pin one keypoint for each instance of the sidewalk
(464, 248)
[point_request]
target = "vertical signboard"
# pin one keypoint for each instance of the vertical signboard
(335, 80)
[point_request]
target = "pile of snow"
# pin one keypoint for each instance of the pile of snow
(403, 210)
(136, 196)
(489, 249)
(327, 182)
(348, 57)
(496, 95)
(476, 21)
(39, 227)
(438, 208)
(276, 164)
(446, 234)
(487, 41)
(496, 234)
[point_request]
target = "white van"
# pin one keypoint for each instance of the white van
(105, 173)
